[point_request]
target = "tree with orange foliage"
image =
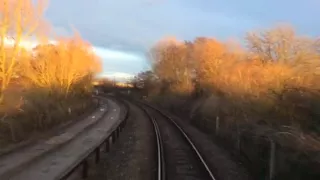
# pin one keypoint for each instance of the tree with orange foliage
(62, 66)
(209, 55)
(281, 44)
(19, 19)
(172, 65)
(78, 61)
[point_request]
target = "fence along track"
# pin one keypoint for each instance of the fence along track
(113, 136)
(161, 161)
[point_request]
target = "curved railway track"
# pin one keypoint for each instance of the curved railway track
(177, 156)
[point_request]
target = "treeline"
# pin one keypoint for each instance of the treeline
(268, 89)
(44, 86)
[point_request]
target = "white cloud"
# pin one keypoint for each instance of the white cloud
(109, 54)
(114, 62)
(27, 44)
(118, 76)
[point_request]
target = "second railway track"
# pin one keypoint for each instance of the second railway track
(178, 158)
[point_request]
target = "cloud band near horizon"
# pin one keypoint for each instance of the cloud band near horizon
(115, 63)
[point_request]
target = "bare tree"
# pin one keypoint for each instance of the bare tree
(209, 55)
(19, 19)
(172, 64)
(145, 81)
(61, 66)
(282, 44)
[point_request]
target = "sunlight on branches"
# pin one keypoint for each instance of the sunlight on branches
(40, 87)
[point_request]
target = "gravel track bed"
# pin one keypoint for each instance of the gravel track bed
(132, 156)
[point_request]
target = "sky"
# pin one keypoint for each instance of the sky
(122, 31)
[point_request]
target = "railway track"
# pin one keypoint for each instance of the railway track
(177, 156)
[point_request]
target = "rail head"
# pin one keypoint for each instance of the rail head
(161, 173)
(185, 135)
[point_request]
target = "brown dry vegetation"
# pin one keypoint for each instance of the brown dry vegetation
(267, 92)
(45, 86)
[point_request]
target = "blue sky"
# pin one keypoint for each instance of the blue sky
(123, 30)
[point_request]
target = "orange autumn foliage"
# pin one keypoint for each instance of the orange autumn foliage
(19, 19)
(61, 66)
(261, 74)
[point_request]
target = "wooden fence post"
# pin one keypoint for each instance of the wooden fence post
(217, 125)
(107, 144)
(272, 159)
